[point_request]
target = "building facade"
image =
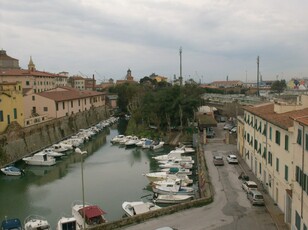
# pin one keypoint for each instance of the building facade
(11, 104)
(270, 151)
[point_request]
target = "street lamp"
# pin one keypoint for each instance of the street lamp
(77, 150)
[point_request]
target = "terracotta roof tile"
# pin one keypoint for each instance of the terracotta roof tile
(282, 120)
(69, 94)
(23, 72)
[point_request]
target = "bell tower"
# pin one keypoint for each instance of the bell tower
(31, 65)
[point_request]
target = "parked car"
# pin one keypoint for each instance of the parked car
(232, 159)
(255, 197)
(228, 126)
(218, 160)
(233, 129)
(249, 185)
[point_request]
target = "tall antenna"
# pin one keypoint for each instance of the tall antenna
(181, 78)
(258, 60)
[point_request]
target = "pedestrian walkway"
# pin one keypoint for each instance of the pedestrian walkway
(275, 212)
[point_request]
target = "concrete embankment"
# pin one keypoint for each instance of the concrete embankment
(17, 143)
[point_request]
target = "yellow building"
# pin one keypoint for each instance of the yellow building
(11, 104)
(274, 149)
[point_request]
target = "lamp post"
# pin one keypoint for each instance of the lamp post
(77, 150)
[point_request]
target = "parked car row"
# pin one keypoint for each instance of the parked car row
(219, 161)
(253, 194)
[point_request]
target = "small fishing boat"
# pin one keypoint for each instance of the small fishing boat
(11, 224)
(67, 223)
(93, 215)
(12, 171)
(138, 207)
(171, 198)
(172, 187)
(35, 222)
(40, 159)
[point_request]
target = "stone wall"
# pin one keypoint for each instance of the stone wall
(18, 142)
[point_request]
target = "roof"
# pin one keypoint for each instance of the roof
(68, 94)
(282, 120)
(23, 72)
(4, 56)
(226, 82)
(206, 120)
(91, 211)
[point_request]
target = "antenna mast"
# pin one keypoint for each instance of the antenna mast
(181, 78)
(258, 60)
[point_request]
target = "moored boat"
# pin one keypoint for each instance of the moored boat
(157, 145)
(170, 198)
(138, 207)
(93, 215)
(67, 223)
(40, 159)
(11, 224)
(12, 171)
(172, 187)
(35, 222)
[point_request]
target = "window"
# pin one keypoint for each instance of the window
(33, 98)
(27, 83)
(1, 115)
(45, 109)
(299, 137)
(15, 113)
(260, 168)
(264, 130)
(277, 164)
(85, 101)
(72, 104)
(277, 137)
(270, 134)
(297, 220)
(78, 102)
(57, 106)
(256, 145)
(286, 142)
(286, 173)
(63, 105)
(269, 160)
(304, 227)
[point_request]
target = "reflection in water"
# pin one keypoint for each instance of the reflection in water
(111, 175)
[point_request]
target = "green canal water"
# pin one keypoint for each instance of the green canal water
(112, 175)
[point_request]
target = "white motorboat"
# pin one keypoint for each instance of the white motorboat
(117, 139)
(177, 171)
(147, 144)
(171, 198)
(93, 214)
(40, 159)
(132, 141)
(50, 152)
(67, 223)
(141, 142)
(177, 160)
(138, 207)
(35, 222)
(12, 171)
(157, 145)
(159, 176)
(177, 165)
(168, 156)
(170, 179)
(125, 139)
(61, 148)
(172, 187)
(186, 149)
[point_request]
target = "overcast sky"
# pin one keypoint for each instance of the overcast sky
(219, 38)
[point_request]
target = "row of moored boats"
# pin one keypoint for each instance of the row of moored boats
(170, 185)
(50, 155)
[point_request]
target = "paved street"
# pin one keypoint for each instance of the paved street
(230, 209)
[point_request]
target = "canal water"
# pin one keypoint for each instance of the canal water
(112, 175)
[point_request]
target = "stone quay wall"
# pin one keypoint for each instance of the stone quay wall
(18, 142)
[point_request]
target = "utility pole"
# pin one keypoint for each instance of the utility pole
(181, 78)
(258, 60)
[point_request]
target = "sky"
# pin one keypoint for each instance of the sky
(220, 39)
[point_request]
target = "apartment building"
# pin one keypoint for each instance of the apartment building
(39, 81)
(62, 101)
(270, 150)
(299, 217)
(11, 104)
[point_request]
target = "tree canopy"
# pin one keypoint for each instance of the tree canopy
(279, 86)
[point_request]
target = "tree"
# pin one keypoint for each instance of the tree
(279, 86)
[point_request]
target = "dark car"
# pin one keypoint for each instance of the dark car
(218, 160)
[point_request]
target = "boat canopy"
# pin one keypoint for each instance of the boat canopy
(91, 211)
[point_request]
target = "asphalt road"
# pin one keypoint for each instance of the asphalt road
(230, 209)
